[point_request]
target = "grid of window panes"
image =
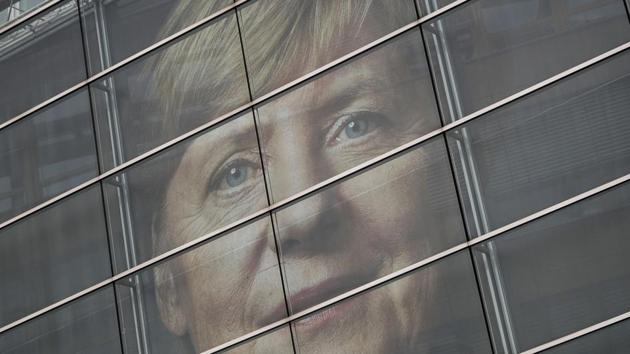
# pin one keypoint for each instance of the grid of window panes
(118, 137)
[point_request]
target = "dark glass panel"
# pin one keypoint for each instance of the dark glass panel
(87, 325)
(564, 272)
(486, 50)
(40, 58)
(53, 254)
(609, 340)
(46, 154)
(547, 147)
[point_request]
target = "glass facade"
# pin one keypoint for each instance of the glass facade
(314, 176)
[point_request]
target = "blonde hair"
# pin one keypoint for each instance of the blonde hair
(203, 75)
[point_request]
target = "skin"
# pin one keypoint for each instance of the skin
(331, 242)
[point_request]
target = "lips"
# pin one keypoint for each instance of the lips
(312, 295)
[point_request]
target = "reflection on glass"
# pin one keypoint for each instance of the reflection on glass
(486, 50)
(14, 9)
(546, 148)
(171, 92)
(566, 271)
(361, 110)
(286, 39)
(433, 310)
(210, 295)
(40, 59)
(52, 254)
(186, 191)
(46, 154)
(369, 226)
(88, 325)
(114, 30)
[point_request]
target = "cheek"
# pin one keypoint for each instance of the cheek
(388, 204)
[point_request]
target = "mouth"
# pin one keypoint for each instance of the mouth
(317, 293)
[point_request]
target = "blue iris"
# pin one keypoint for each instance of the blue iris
(356, 128)
(236, 175)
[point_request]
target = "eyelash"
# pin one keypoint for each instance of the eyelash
(375, 118)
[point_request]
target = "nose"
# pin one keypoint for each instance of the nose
(309, 227)
(296, 163)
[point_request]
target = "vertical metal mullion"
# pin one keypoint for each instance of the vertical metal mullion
(122, 195)
(460, 202)
(477, 206)
(627, 6)
(99, 169)
(267, 186)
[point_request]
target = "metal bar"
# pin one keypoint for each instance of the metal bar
(16, 23)
(337, 178)
(380, 281)
(122, 63)
(578, 334)
(228, 115)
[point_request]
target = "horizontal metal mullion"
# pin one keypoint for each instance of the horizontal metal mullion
(427, 261)
(221, 118)
(344, 175)
(577, 334)
(29, 15)
(122, 63)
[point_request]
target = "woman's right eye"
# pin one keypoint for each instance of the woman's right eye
(235, 176)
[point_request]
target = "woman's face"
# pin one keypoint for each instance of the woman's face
(345, 236)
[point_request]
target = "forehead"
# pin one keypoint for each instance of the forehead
(365, 78)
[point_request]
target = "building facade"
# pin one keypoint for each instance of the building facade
(314, 176)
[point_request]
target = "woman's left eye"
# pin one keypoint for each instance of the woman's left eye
(236, 175)
(355, 126)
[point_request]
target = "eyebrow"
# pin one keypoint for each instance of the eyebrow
(349, 92)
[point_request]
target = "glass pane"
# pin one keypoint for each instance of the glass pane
(369, 226)
(114, 30)
(356, 112)
(39, 59)
(88, 325)
(609, 340)
(219, 291)
(284, 40)
(173, 91)
(546, 148)
(278, 341)
(563, 272)
(432, 310)
(52, 254)
(46, 154)
(487, 50)
(185, 192)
